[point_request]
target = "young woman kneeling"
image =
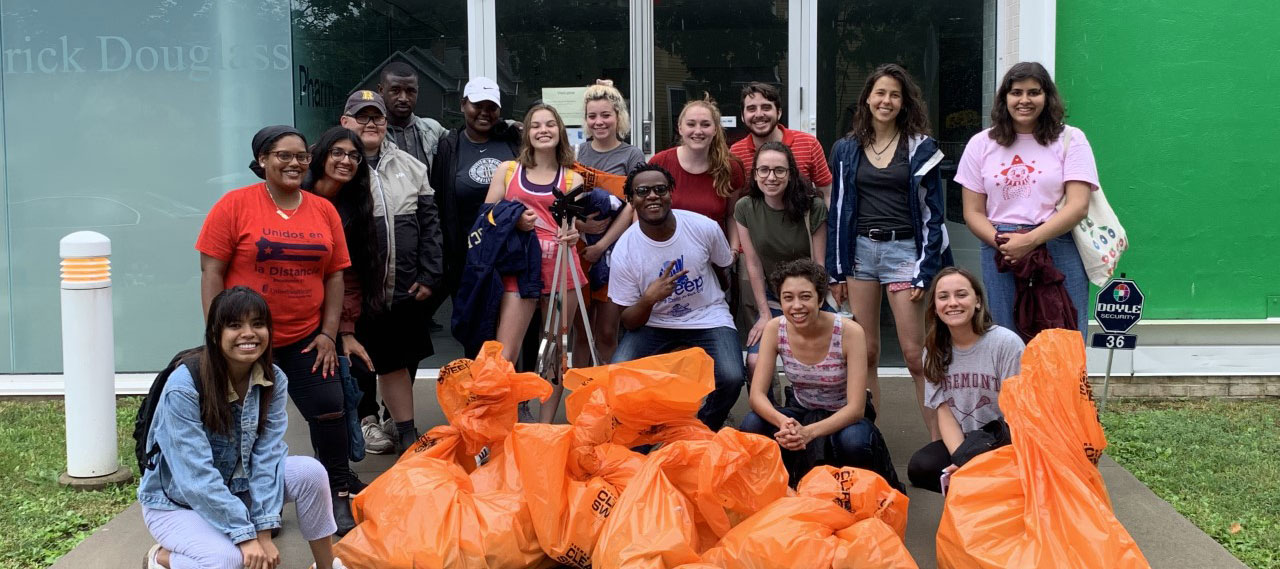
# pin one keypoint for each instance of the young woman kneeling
(967, 357)
(221, 477)
(826, 418)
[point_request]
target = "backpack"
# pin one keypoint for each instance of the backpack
(147, 410)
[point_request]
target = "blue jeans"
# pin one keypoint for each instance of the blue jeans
(850, 446)
(719, 343)
(1001, 288)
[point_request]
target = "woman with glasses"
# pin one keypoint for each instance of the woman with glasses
(886, 228)
(289, 246)
(397, 332)
(779, 221)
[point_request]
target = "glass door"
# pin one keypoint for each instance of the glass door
(714, 47)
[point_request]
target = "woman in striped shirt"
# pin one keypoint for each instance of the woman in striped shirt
(826, 417)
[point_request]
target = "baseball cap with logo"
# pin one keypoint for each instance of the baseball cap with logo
(482, 89)
(361, 99)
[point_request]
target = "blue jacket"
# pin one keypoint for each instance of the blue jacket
(933, 247)
(197, 468)
(494, 248)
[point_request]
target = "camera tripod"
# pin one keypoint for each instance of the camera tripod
(553, 348)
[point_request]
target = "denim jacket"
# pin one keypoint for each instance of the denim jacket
(933, 247)
(236, 482)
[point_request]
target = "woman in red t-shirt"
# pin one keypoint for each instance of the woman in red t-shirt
(289, 246)
(710, 178)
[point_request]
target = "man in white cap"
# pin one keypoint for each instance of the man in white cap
(463, 167)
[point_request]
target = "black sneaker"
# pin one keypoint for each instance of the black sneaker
(342, 513)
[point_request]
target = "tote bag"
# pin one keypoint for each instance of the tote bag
(1099, 237)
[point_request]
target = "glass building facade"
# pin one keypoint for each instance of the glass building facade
(132, 118)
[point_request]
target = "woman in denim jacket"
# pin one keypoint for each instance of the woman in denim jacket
(221, 476)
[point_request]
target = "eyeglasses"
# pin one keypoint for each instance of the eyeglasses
(338, 154)
(764, 171)
(364, 119)
(286, 157)
(660, 190)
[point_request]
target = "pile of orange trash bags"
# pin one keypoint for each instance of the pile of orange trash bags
(1040, 502)
(576, 495)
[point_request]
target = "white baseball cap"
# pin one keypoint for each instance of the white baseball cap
(482, 89)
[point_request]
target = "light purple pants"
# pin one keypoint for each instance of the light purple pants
(197, 545)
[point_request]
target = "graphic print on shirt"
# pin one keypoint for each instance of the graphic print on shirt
(482, 171)
(1017, 178)
(982, 402)
(279, 259)
(685, 287)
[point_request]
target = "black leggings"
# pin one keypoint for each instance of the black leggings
(925, 468)
(317, 397)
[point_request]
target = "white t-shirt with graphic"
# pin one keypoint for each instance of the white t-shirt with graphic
(698, 243)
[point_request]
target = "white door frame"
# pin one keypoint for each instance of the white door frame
(482, 39)
(642, 80)
(802, 66)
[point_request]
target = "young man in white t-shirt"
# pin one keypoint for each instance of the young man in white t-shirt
(667, 273)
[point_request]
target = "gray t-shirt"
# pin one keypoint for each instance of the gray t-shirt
(971, 387)
(619, 161)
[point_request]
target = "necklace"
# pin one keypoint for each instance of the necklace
(279, 211)
(886, 145)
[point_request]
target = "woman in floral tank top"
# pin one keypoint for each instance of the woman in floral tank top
(827, 415)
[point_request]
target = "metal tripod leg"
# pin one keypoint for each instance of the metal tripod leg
(582, 309)
(546, 344)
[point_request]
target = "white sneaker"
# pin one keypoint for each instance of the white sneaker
(337, 564)
(149, 562)
(375, 441)
(388, 427)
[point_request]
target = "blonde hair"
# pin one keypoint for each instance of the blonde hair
(604, 90)
(718, 154)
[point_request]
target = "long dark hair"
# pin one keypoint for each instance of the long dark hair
(913, 117)
(937, 337)
(564, 149)
(354, 203)
(1048, 125)
(797, 197)
(230, 306)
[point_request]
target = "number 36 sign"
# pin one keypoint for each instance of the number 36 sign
(1118, 308)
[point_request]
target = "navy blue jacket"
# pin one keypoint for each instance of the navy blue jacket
(933, 247)
(494, 248)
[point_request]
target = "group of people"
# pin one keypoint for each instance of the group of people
(340, 257)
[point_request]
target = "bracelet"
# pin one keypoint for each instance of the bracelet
(326, 334)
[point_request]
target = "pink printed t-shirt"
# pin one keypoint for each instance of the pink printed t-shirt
(1024, 182)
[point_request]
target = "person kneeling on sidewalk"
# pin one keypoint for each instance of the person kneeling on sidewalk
(827, 417)
(220, 476)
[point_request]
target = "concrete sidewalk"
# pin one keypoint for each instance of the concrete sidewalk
(1166, 538)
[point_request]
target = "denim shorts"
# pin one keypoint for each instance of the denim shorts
(884, 261)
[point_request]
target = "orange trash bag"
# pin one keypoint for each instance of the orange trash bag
(1041, 501)
(687, 496)
(842, 518)
(427, 511)
(573, 475)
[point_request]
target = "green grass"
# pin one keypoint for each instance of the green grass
(1216, 462)
(41, 520)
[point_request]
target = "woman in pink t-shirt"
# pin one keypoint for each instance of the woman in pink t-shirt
(1015, 174)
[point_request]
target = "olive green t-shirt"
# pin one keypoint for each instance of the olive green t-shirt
(775, 238)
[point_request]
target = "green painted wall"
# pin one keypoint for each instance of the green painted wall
(1181, 102)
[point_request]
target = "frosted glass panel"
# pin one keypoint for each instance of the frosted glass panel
(130, 119)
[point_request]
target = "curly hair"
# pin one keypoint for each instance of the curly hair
(937, 336)
(604, 90)
(1048, 125)
(912, 119)
(564, 150)
(804, 268)
(797, 198)
(718, 154)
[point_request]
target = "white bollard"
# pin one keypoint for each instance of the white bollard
(88, 363)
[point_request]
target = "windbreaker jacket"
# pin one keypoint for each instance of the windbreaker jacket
(407, 223)
(196, 467)
(933, 247)
(444, 170)
(495, 248)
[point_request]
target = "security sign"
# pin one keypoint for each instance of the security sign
(1118, 306)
